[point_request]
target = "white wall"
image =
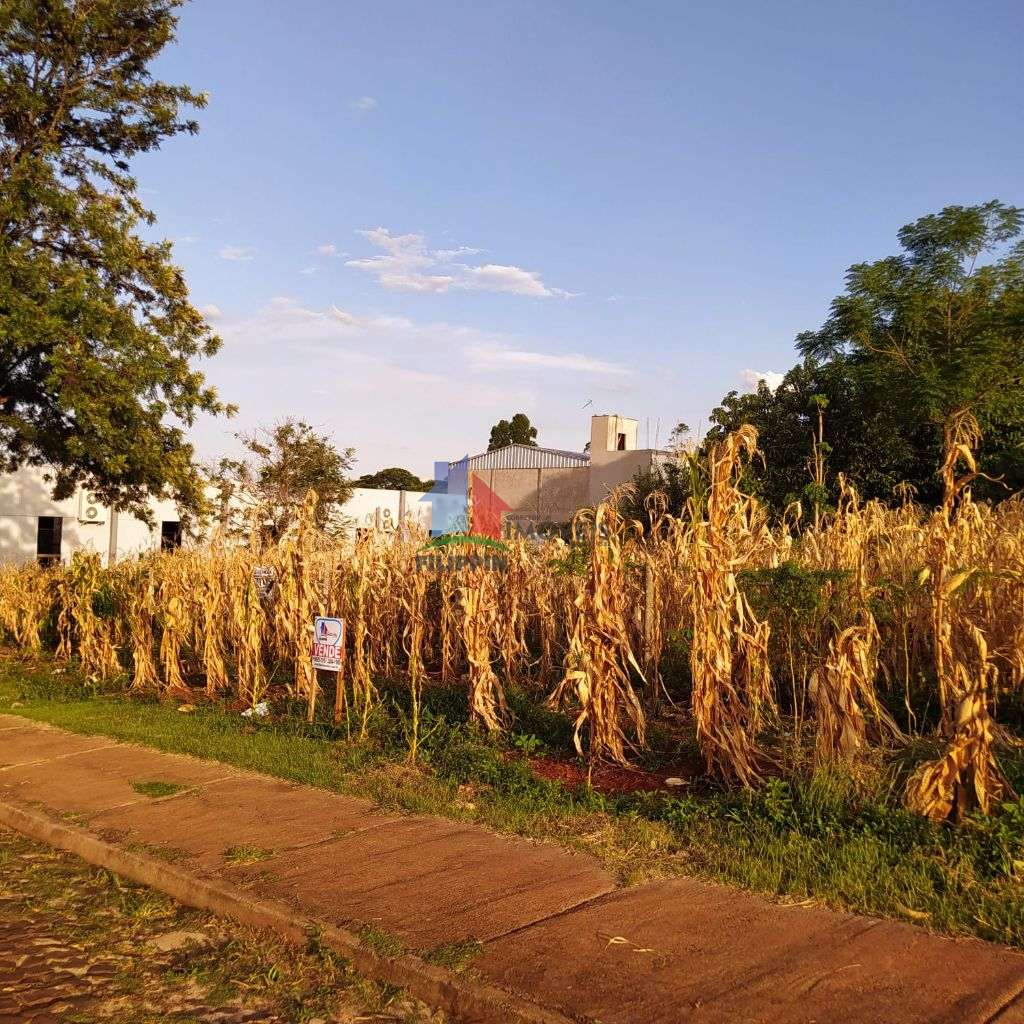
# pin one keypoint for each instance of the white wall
(25, 496)
(131, 536)
(367, 507)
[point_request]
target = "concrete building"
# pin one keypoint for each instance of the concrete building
(552, 485)
(34, 526)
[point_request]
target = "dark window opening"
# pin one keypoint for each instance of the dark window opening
(620, 445)
(48, 537)
(170, 535)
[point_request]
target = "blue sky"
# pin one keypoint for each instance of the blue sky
(408, 220)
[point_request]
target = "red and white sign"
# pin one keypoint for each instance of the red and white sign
(328, 644)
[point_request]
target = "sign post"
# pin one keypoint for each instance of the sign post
(328, 655)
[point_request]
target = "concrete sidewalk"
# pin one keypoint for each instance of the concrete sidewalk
(560, 941)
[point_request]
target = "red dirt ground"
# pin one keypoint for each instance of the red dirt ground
(613, 779)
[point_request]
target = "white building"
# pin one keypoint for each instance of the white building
(370, 509)
(35, 526)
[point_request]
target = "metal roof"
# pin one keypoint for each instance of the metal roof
(525, 456)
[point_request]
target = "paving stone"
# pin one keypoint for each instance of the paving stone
(91, 780)
(25, 742)
(686, 950)
(430, 881)
(249, 810)
(555, 928)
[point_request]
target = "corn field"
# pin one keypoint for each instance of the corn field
(865, 631)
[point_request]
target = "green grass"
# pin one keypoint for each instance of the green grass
(820, 838)
(455, 956)
(155, 790)
(246, 855)
(170, 854)
(380, 941)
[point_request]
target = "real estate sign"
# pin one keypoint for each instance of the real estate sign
(328, 644)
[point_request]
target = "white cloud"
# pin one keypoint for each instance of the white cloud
(285, 310)
(771, 377)
(327, 250)
(402, 392)
(497, 278)
(345, 318)
(237, 252)
(447, 255)
(472, 350)
(496, 357)
(401, 267)
(363, 105)
(407, 264)
(211, 312)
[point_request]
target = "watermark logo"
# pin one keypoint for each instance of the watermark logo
(430, 562)
(450, 521)
(579, 532)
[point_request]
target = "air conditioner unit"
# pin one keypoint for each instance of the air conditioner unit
(90, 510)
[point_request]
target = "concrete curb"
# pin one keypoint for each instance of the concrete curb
(463, 999)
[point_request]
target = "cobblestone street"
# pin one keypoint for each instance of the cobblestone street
(78, 945)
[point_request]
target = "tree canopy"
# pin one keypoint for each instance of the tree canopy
(515, 431)
(935, 326)
(394, 478)
(288, 460)
(97, 333)
(916, 340)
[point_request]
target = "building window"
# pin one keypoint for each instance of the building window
(48, 537)
(620, 444)
(170, 535)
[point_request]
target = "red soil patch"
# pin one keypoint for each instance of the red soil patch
(614, 780)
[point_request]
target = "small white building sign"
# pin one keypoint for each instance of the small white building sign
(328, 644)
(264, 577)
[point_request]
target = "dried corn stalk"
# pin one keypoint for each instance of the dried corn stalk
(600, 654)
(841, 689)
(478, 601)
(141, 608)
(729, 653)
(967, 775)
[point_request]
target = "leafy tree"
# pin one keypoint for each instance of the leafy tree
(289, 459)
(668, 485)
(859, 437)
(394, 479)
(97, 334)
(679, 438)
(516, 431)
(938, 329)
(916, 339)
